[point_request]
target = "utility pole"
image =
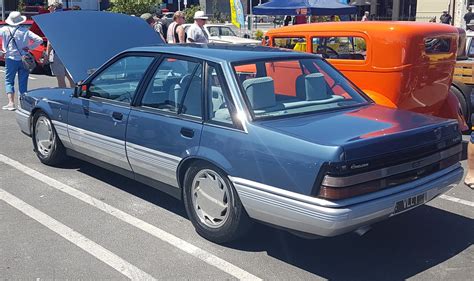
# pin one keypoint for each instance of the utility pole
(3, 10)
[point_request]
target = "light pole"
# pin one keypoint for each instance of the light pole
(3, 10)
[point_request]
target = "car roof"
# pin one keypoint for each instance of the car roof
(378, 28)
(221, 53)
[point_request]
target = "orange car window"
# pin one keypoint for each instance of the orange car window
(292, 43)
(341, 47)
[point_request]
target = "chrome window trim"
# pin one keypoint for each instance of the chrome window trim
(390, 171)
(167, 114)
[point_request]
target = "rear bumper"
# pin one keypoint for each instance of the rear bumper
(326, 218)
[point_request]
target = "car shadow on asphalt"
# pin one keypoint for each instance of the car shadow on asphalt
(128, 185)
(395, 249)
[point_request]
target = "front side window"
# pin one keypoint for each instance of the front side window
(119, 81)
(176, 87)
(292, 43)
(341, 47)
(278, 88)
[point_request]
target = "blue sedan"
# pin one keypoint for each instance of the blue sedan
(244, 134)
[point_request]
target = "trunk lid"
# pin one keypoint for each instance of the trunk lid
(370, 131)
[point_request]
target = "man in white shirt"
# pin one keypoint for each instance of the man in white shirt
(196, 32)
(17, 40)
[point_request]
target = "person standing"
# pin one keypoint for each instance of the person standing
(175, 30)
(468, 16)
(366, 16)
(196, 32)
(150, 20)
(469, 179)
(57, 67)
(445, 18)
(16, 41)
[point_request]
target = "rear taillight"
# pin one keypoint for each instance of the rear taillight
(343, 189)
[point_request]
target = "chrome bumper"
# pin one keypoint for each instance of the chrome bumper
(23, 120)
(329, 218)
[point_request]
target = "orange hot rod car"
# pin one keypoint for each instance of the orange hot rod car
(404, 65)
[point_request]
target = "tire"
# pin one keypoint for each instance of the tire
(47, 145)
(219, 224)
(462, 101)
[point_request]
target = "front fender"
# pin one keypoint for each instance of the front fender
(380, 99)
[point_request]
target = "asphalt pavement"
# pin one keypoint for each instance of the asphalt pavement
(80, 221)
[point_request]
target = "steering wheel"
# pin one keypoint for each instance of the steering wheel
(327, 52)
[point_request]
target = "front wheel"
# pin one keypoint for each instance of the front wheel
(212, 204)
(48, 147)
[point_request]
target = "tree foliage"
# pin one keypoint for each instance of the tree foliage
(189, 13)
(134, 7)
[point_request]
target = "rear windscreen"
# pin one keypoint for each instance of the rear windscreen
(437, 45)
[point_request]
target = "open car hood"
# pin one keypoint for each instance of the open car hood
(84, 40)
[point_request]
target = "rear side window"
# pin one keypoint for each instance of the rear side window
(172, 80)
(292, 43)
(437, 45)
(342, 47)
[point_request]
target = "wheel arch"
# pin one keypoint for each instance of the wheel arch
(185, 163)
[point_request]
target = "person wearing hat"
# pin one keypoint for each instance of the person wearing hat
(196, 32)
(445, 18)
(150, 20)
(17, 40)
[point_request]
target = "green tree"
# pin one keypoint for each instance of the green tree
(134, 7)
(21, 6)
(189, 13)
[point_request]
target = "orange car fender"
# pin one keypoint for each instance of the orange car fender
(380, 99)
(451, 109)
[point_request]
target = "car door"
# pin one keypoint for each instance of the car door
(97, 119)
(165, 126)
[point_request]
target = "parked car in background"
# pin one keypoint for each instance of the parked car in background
(220, 33)
(39, 52)
(229, 131)
(406, 65)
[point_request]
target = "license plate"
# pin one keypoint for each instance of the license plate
(409, 203)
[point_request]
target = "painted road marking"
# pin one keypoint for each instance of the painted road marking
(104, 255)
(29, 77)
(457, 200)
(179, 243)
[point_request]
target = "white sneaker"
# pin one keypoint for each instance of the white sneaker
(10, 107)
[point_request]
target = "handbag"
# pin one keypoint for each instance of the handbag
(28, 60)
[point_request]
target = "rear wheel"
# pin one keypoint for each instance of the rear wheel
(48, 147)
(212, 204)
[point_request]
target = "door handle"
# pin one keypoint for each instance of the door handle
(187, 132)
(117, 116)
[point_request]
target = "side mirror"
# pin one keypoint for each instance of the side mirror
(81, 90)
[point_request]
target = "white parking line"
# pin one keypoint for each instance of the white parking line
(76, 238)
(457, 200)
(29, 77)
(140, 224)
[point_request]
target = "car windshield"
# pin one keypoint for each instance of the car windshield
(278, 88)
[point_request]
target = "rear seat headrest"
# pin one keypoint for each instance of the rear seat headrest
(316, 87)
(260, 92)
